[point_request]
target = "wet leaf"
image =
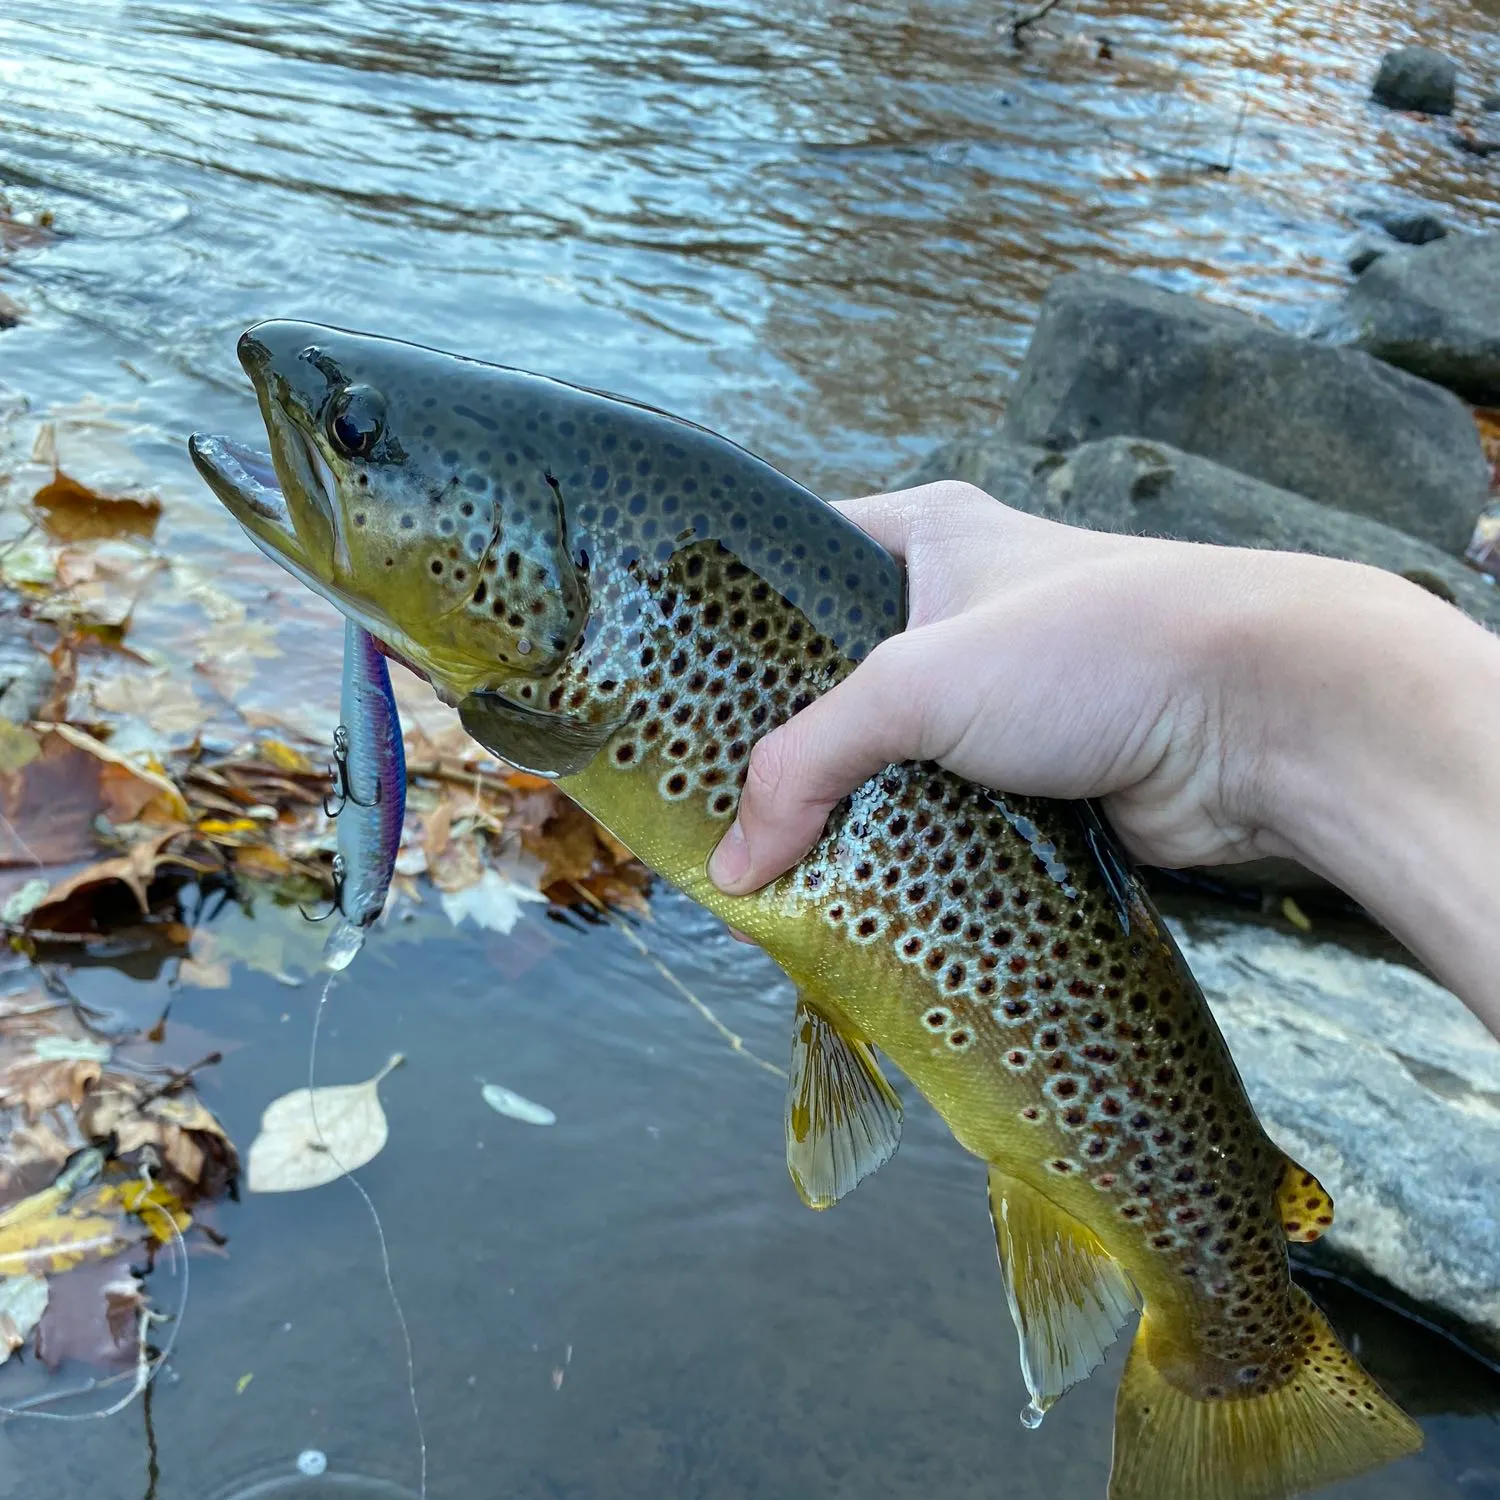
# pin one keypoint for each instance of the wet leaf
(286, 757)
(213, 975)
(18, 747)
(174, 803)
(506, 1102)
(73, 512)
(167, 703)
(313, 1136)
(494, 901)
(44, 1244)
(49, 807)
(93, 1316)
(23, 1300)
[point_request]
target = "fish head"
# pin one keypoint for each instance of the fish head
(394, 504)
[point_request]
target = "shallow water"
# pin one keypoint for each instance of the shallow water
(724, 1341)
(823, 229)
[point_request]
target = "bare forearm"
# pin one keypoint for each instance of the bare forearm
(1380, 760)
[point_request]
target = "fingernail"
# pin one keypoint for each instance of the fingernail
(730, 862)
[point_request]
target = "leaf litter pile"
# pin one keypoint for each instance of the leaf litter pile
(152, 771)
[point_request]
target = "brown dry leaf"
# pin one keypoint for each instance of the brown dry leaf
(436, 828)
(179, 1127)
(72, 512)
(135, 870)
(49, 807)
(459, 866)
(173, 803)
(567, 845)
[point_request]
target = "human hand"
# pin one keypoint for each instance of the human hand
(1038, 659)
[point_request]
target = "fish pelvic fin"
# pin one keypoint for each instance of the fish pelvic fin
(1328, 1421)
(843, 1119)
(1068, 1296)
(1303, 1203)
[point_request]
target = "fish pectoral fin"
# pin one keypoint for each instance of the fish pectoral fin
(843, 1120)
(1324, 1422)
(544, 744)
(1304, 1205)
(1068, 1296)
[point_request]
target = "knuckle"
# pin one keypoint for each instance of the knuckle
(765, 773)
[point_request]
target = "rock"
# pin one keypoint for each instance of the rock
(1436, 312)
(1417, 78)
(1114, 355)
(1482, 146)
(1137, 487)
(1384, 1086)
(1363, 254)
(1491, 103)
(1409, 226)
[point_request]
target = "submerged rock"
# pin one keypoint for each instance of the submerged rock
(1418, 78)
(1436, 312)
(1383, 1085)
(1112, 355)
(1410, 226)
(1137, 487)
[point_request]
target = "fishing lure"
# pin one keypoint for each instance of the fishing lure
(370, 765)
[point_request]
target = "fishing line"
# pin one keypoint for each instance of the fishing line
(735, 1040)
(146, 1368)
(385, 1254)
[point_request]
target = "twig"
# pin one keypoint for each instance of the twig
(1030, 18)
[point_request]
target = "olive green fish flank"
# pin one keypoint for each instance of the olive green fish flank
(627, 602)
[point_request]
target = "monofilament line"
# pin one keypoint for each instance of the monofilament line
(385, 1254)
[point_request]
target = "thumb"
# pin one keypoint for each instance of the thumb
(798, 773)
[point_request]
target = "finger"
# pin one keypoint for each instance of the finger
(878, 715)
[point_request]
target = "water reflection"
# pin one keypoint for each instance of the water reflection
(824, 228)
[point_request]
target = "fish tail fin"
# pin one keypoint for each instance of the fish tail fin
(1327, 1421)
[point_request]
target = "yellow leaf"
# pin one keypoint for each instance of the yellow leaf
(18, 746)
(220, 827)
(1295, 915)
(286, 757)
(242, 1382)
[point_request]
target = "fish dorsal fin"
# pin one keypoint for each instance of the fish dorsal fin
(1067, 1294)
(544, 744)
(1303, 1203)
(843, 1120)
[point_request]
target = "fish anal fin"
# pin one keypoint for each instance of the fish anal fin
(843, 1120)
(1068, 1296)
(1328, 1421)
(1303, 1203)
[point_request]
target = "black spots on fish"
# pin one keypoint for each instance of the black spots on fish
(435, 567)
(937, 1019)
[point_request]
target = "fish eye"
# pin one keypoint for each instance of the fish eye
(356, 418)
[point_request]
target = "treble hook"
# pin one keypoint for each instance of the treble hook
(340, 869)
(340, 774)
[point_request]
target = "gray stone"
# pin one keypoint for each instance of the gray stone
(1387, 1089)
(1411, 226)
(1364, 252)
(1435, 312)
(1418, 78)
(1113, 355)
(1141, 488)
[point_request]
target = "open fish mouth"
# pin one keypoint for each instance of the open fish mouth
(245, 481)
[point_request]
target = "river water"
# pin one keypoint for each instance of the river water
(822, 228)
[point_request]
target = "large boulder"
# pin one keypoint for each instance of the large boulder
(1435, 312)
(1112, 355)
(1137, 487)
(1417, 78)
(1383, 1085)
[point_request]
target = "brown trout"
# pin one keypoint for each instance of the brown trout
(624, 601)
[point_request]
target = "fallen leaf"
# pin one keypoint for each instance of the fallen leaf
(18, 747)
(204, 976)
(49, 806)
(286, 757)
(1295, 915)
(93, 1317)
(174, 803)
(73, 512)
(493, 901)
(167, 703)
(506, 1102)
(314, 1136)
(23, 1300)
(242, 1382)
